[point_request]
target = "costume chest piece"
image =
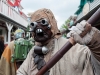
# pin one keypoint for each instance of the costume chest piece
(38, 55)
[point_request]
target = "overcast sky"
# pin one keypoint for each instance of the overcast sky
(62, 9)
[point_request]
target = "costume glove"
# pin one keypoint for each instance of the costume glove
(77, 32)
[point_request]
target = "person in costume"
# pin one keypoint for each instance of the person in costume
(11, 57)
(77, 61)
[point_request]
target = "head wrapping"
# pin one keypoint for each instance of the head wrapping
(46, 13)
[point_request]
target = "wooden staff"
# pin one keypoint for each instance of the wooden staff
(66, 47)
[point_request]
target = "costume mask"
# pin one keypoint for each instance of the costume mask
(41, 29)
(44, 25)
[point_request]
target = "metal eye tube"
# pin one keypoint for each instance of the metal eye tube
(49, 26)
(44, 22)
(33, 25)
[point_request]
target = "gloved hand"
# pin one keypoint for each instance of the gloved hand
(78, 33)
(91, 39)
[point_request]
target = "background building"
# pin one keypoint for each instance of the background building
(11, 18)
(86, 9)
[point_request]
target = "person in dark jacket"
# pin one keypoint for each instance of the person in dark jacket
(2, 46)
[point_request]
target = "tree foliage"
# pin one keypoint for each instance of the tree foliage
(65, 26)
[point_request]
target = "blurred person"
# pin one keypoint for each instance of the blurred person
(2, 46)
(13, 54)
(75, 19)
(71, 21)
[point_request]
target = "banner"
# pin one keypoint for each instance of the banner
(15, 3)
(10, 3)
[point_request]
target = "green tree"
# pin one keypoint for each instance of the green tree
(65, 27)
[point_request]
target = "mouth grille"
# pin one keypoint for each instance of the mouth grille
(40, 32)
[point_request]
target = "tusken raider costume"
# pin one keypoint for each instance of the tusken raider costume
(77, 61)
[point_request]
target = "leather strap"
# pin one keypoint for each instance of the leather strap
(40, 62)
(86, 30)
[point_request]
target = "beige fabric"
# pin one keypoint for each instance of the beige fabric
(46, 13)
(75, 62)
(94, 45)
(91, 39)
(6, 67)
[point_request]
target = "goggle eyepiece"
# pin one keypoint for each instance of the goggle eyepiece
(33, 25)
(44, 22)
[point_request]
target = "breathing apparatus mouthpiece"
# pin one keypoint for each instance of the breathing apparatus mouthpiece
(41, 50)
